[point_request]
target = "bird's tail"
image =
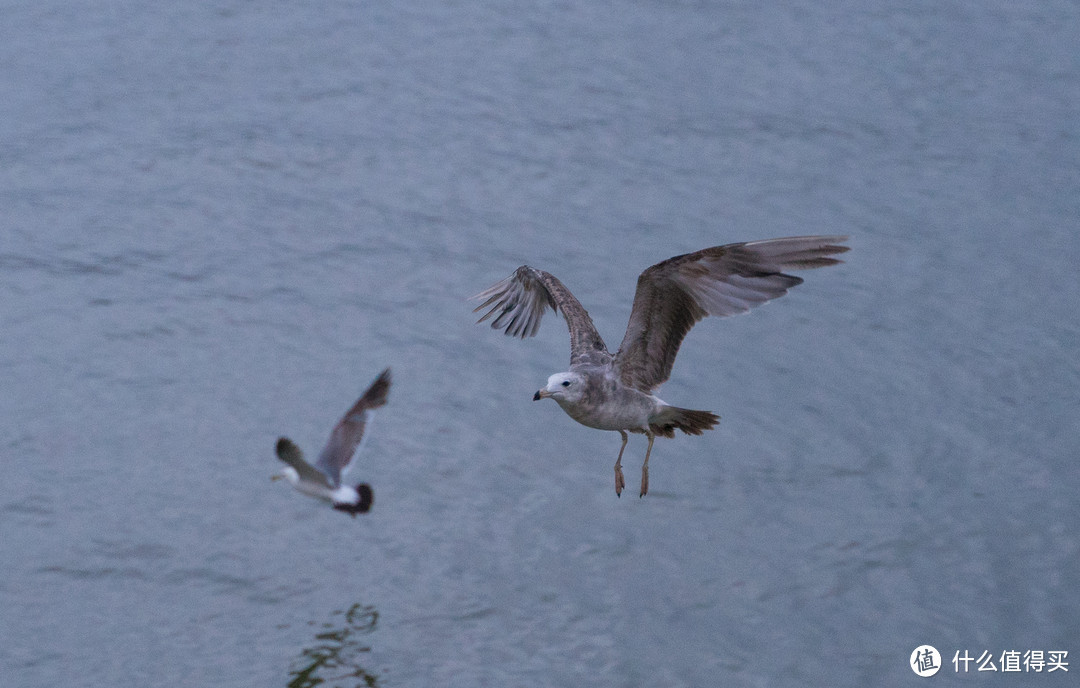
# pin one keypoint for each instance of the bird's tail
(673, 418)
(367, 497)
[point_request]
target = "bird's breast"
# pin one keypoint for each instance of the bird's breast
(615, 412)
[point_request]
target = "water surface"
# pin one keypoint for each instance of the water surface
(222, 219)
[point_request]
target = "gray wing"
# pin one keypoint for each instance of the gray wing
(291, 454)
(337, 456)
(723, 280)
(519, 302)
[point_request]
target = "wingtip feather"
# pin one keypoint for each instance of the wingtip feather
(379, 390)
(284, 446)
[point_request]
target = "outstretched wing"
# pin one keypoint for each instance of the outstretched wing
(337, 456)
(519, 302)
(291, 454)
(723, 280)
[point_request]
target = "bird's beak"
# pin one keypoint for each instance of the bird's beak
(541, 394)
(276, 477)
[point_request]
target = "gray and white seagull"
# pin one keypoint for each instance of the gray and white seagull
(618, 392)
(323, 480)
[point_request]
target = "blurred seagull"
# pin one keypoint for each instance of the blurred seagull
(618, 392)
(323, 480)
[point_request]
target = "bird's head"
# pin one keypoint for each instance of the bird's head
(563, 388)
(287, 473)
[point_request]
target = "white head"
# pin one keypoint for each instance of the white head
(287, 473)
(563, 387)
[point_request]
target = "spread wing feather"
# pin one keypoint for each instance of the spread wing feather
(291, 454)
(337, 456)
(673, 295)
(519, 302)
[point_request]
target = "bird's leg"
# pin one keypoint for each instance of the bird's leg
(645, 466)
(619, 482)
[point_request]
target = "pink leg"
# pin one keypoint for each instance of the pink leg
(619, 482)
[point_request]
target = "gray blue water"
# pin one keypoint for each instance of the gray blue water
(220, 219)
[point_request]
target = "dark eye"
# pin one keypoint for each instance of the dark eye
(565, 383)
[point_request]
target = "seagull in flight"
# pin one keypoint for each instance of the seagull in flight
(618, 392)
(323, 480)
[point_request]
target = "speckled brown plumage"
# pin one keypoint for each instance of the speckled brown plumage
(617, 392)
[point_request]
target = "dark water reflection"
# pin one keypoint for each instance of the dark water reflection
(336, 657)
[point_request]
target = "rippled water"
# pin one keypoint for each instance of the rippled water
(222, 219)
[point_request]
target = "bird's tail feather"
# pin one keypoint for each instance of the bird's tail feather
(673, 418)
(367, 497)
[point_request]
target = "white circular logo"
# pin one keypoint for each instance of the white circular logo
(925, 660)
